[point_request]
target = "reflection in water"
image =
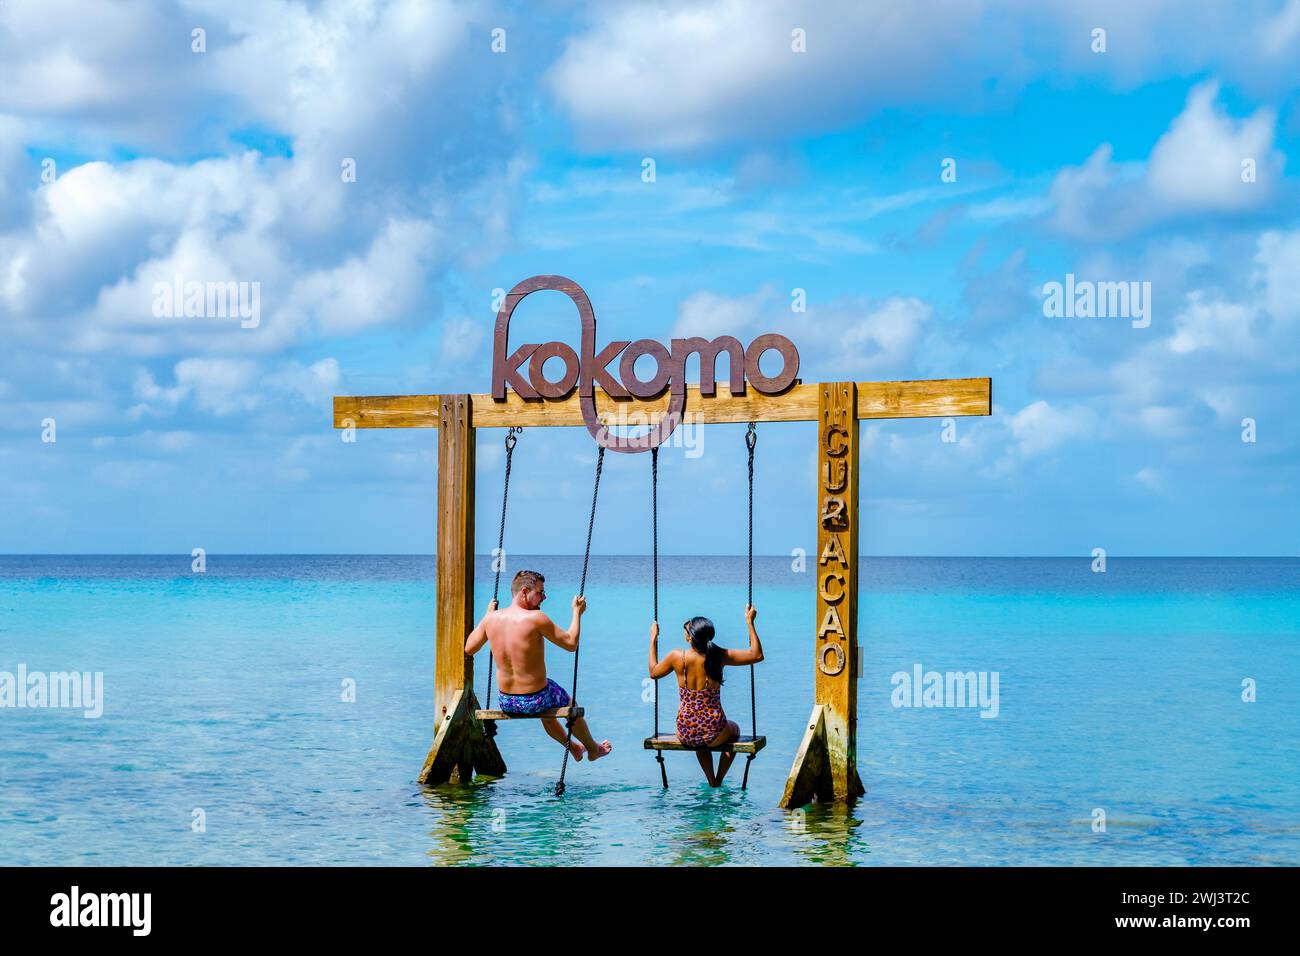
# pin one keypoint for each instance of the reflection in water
(827, 834)
(706, 831)
(453, 808)
(514, 820)
(518, 820)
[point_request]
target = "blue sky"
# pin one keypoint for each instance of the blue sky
(775, 170)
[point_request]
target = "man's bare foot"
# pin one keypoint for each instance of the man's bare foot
(604, 748)
(576, 750)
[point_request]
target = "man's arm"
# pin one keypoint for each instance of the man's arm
(557, 635)
(478, 637)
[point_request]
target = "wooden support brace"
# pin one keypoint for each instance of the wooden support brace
(460, 748)
(810, 778)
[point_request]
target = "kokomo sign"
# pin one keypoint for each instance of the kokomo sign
(586, 369)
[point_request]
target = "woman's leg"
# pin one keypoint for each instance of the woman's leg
(726, 736)
(706, 764)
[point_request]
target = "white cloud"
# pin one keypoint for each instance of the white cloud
(850, 337)
(709, 314)
(221, 386)
(378, 289)
(885, 338)
(1195, 167)
(1277, 274)
(1281, 33)
(669, 75)
(1222, 327)
(1040, 427)
(1100, 198)
(1225, 353)
(462, 338)
(225, 386)
(331, 258)
(329, 76)
(1149, 477)
(1262, 326)
(672, 75)
(315, 383)
(104, 236)
(1197, 164)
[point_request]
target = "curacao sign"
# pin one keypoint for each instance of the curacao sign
(588, 368)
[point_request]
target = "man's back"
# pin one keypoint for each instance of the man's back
(518, 648)
(518, 635)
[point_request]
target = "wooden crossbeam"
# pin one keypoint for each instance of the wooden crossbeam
(932, 398)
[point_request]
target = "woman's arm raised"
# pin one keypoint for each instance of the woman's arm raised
(754, 653)
(659, 668)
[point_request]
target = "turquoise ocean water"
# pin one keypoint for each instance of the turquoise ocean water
(1119, 692)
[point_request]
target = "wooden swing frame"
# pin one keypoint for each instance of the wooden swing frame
(825, 765)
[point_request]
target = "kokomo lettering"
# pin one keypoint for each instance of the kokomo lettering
(588, 368)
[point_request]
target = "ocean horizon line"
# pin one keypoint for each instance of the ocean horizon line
(1110, 556)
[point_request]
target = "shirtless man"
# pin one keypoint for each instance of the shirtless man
(515, 635)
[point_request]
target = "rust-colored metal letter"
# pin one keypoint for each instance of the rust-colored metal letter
(775, 384)
(709, 352)
(537, 373)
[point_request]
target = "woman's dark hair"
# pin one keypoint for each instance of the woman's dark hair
(700, 630)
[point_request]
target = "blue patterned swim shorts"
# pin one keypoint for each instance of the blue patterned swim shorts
(548, 698)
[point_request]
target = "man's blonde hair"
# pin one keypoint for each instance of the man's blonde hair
(526, 579)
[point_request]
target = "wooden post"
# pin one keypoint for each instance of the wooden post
(454, 669)
(825, 766)
(459, 747)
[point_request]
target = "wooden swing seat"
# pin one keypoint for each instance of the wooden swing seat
(561, 712)
(741, 745)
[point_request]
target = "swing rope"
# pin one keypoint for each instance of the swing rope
(751, 439)
(654, 567)
(582, 590)
(490, 726)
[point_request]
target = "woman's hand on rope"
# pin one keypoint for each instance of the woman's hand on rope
(579, 604)
(492, 604)
(654, 631)
(751, 612)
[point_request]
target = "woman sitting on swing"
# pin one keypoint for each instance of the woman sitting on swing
(700, 720)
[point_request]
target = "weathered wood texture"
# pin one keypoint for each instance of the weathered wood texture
(459, 746)
(460, 750)
(836, 643)
(810, 778)
(561, 712)
(836, 678)
(937, 398)
(742, 745)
